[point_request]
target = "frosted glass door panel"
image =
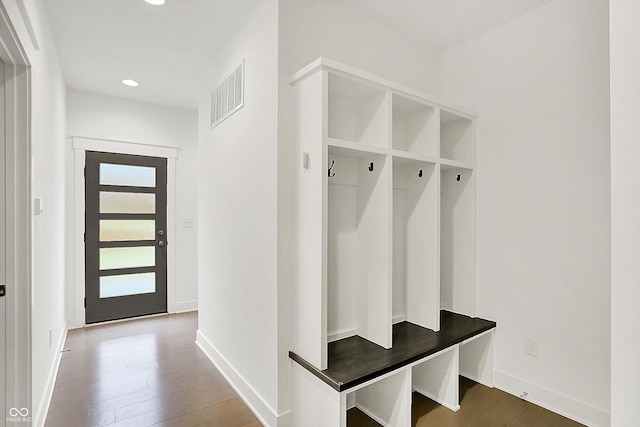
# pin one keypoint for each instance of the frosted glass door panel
(127, 284)
(127, 175)
(118, 230)
(112, 258)
(125, 236)
(142, 203)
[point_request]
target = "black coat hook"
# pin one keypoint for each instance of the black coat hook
(331, 175)
(371, 167)
(458, 178)
(420, 173)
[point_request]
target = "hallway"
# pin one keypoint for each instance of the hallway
(140, 373)
(149, 372)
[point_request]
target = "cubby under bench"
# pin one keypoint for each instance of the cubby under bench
(380, 381)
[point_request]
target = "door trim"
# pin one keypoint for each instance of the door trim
(80, 146)
(19, 220)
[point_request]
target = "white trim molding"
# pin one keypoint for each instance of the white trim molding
(123, 147)
(42, 410)
(566, 406)
(19, 220)
(265, 413)
(80, 146)
(185, 306)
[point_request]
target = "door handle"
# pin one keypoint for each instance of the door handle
(162, 243)
(3, 290)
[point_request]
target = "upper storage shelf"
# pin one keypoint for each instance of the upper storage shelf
(456, 137)
(381, 116)
(414, 126)
(357, 112)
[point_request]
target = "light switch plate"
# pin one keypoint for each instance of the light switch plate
(37, 206)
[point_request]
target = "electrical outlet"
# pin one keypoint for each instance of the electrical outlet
(50, 336)
(531, 347)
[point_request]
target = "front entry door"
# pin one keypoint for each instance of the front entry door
(125, 236)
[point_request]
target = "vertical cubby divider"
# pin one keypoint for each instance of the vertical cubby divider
(309, 335)
(388, 400)
(359, 263)
(314, 403)
(457, 243)
(476, 358)
(415, 242)
(437, 378)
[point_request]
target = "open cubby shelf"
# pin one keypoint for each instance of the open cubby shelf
(385, 199)
(413, 126)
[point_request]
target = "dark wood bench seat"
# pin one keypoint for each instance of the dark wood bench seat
(355, 360)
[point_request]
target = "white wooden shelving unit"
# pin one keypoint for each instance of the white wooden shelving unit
(385, 216)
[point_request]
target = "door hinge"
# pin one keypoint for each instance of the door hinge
(85, 237)
(85, 303)
(85, 171)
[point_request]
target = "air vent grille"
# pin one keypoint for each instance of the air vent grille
(228, 97)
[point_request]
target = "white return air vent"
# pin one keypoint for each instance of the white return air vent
(228, 97)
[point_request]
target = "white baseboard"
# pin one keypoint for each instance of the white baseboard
(475, 378)
(252, 398)
(371, 415)
(284, 420)
(399, 318)
(335, 336)
(184, 306)
(566, 406)
(40, 415)
(436, 399)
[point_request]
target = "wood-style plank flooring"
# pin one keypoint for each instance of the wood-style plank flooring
(149, 372)
(141, 373)
(480, 406)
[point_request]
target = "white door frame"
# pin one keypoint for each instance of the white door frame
(19, 220)
(80, 146)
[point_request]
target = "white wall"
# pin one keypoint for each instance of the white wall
(237, 208)
(48, 230)
(625, 211)
(103, 117)
(540, 86)
(309, 29)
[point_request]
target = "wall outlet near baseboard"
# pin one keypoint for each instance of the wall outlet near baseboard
(531, 347)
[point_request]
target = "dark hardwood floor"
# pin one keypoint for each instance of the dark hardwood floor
(480, 406)
(141, 373)
(149, 372)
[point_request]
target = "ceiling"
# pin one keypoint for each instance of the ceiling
(101, 42)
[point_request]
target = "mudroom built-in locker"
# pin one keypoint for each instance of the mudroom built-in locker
(385, 296)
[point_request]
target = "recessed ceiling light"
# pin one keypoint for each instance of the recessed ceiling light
(155, 2)
(130, 82)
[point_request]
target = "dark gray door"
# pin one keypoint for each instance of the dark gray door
(125, 236)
